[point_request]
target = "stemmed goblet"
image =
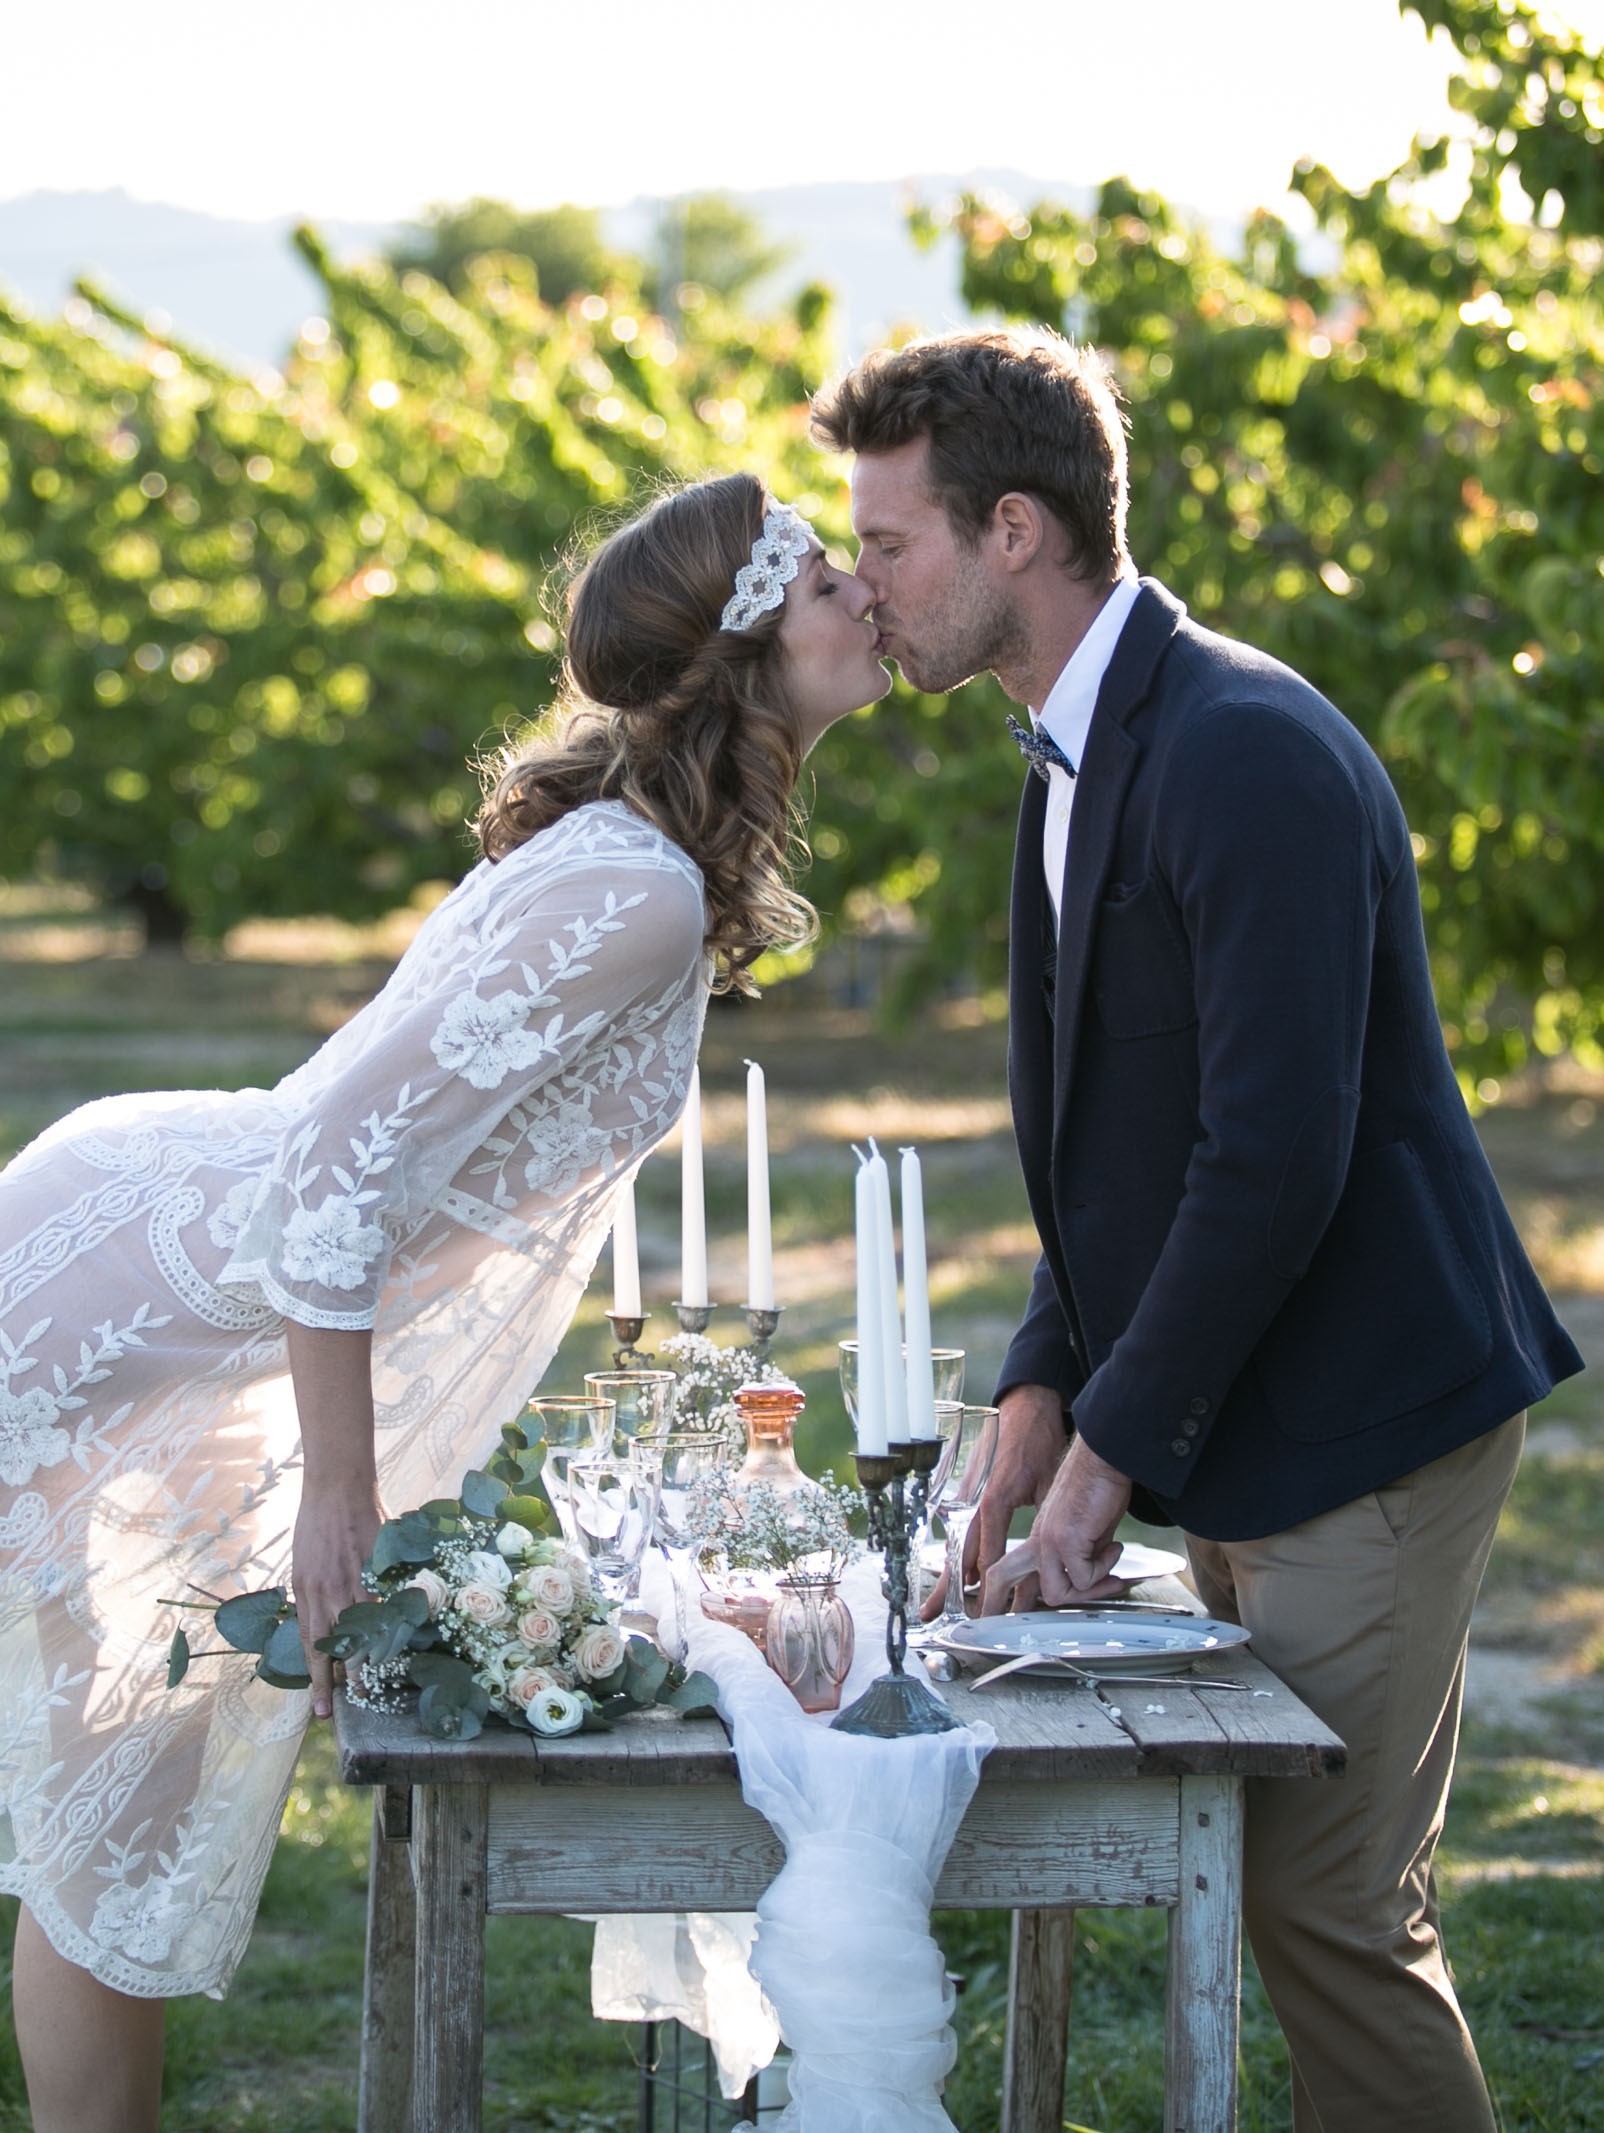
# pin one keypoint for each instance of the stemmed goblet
(643, 1402)
(947, 1374)
(567, 1425)
(680, 1460)
(968, 1448)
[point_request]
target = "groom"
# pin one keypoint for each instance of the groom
(1279, 1300)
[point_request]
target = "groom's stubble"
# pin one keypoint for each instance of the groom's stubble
(973, 630)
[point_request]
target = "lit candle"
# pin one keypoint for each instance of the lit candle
(871, 1417)
(692, 1205)
(916, 1302)
(759, 1236)
(626, 1254)
(892, 1376)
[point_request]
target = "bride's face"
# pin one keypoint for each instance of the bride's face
(830, 645)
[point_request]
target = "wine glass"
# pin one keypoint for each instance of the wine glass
(680, 1460)
(968, 1446)
(566, 1424)
(613, 1503)
(643, 1402)
(947, 1374)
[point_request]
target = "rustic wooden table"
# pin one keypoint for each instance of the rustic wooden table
(1131, 1794)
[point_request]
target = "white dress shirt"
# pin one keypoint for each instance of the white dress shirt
(1066, 717)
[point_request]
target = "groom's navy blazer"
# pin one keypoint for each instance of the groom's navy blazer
(1276, 1271)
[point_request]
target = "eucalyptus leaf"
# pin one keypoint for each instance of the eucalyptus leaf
(696, 1694)
(644, 1678)
(452, 1714)
(284, 1661)
(482, 1494)
(412, 1538)
(248, 1621)
(177, 1659)
(437, 1669)
(532, 1512)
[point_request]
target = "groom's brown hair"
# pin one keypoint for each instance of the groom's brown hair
(1012, 408)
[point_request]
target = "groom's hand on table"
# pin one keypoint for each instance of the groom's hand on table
(1081, 1500)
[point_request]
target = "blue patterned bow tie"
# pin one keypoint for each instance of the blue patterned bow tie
(1040, 750)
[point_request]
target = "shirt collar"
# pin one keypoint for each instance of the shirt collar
(1067, 713)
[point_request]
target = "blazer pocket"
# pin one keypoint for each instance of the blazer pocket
(1141, 973)
(1386, 1319)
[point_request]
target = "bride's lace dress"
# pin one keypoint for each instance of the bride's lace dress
(441, 1170)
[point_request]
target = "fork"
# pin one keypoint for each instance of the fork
(1180, 1680)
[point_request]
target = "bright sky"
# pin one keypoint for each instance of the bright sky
(358, 109)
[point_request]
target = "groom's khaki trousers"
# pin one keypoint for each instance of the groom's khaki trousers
(1365, 1612)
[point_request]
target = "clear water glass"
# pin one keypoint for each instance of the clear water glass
(613, 1503)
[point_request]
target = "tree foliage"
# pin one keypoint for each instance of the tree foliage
(1386, 471)
(252, 626)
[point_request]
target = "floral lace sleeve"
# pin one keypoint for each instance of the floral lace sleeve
(497, 1000)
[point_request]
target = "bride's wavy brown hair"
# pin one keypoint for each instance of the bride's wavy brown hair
(687, 723)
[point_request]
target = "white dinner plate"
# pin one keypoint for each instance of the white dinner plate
(1115, 1641)
(1136, 1561)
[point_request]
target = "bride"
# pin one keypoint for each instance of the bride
(231, 1323)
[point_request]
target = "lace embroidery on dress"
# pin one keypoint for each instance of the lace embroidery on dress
(442, 1171)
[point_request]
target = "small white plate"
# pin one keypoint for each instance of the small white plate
(1136, 1561)
(1117, 1641)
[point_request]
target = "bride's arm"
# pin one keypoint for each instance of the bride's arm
(332, 1372)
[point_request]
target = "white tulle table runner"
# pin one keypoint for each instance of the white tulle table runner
(839, 1960)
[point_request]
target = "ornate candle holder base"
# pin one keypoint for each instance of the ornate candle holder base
(693, 1318)
(626, 1332)
(763, 1321)
(896, 1703)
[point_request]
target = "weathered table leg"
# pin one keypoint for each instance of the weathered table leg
(1040, 1966)
(1205, 1969)
(384, 2097)
(448, 1849)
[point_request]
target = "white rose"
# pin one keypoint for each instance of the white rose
(483, 1604)
(551, 1587)
(555, 1711)
(540, 1629)
(485, 1567)
(433, 1588)
(513, 1542)
(599, 1652)
(525, 1683)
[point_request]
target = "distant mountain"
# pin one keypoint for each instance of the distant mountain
(240, 288)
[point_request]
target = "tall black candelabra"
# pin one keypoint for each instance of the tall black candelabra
(896, 1483)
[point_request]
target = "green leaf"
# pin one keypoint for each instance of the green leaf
(404, 1542)
(643, 1678)
(696, 1693)
(283, 1663)
(532, 1512)
(427, 1670)
(248, 1621)
(450, 1713)
(482, 1494)
(177, 1659)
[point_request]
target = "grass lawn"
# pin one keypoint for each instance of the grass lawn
(1523, 1855)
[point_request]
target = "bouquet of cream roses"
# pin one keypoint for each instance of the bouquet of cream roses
(476, 1604)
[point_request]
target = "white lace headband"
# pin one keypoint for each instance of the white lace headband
(776, 554)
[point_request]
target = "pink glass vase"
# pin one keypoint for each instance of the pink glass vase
(809, 1640)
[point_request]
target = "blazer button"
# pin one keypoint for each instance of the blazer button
(1180, 1447)
(1189, 1428)
(1200, 1407)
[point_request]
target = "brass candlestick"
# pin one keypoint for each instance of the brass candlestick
(896, 1483)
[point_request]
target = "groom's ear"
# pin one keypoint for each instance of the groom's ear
(1018, 529)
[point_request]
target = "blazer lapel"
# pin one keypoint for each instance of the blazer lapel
(1112, 756)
